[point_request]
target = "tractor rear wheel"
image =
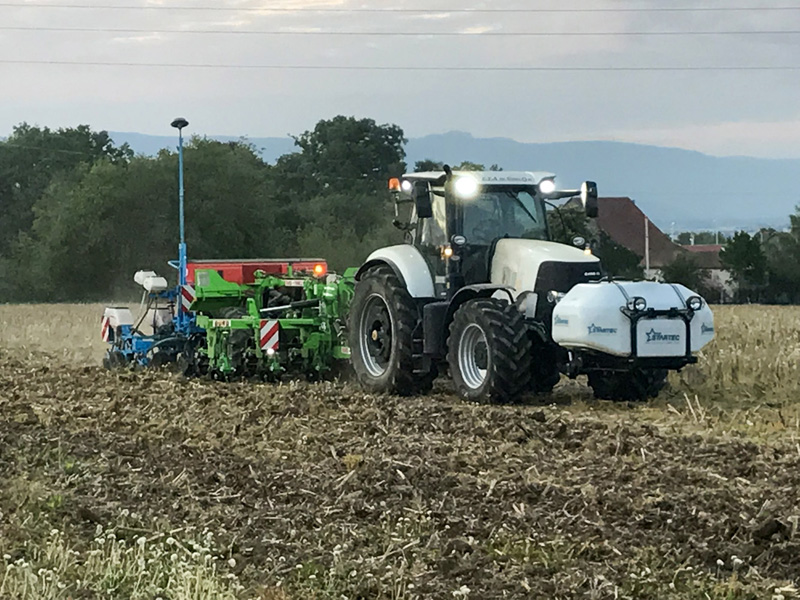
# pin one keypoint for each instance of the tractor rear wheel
(639, 384)
(489, 352)
(383, 317)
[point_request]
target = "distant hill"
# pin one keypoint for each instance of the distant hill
(672, 186)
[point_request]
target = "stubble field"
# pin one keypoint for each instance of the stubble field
(145, 485)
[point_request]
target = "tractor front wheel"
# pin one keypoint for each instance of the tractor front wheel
(383, 317)
(489, 352)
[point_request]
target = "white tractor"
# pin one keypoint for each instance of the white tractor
(481, 288)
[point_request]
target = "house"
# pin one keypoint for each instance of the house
(625, 223)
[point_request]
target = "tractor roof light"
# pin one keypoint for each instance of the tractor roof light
(637, 304)
(466, 186)
(547, 186)
(695, 303)
(394, 184)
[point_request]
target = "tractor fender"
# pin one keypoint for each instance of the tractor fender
(471, 292)
(409, 266)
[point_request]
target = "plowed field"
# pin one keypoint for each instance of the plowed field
(145, 485)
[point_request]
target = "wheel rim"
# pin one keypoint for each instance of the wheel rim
(473, 356)
(375, 335)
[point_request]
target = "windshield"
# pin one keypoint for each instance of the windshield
(503, 212)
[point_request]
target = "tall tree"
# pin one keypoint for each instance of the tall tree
(32, 157)
(617, 260)
(93, 232)
(344, 153)
(686, 271)
(746, 260)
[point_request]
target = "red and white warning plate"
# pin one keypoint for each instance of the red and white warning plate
(188, 296)
(270, 334)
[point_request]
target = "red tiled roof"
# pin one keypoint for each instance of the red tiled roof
(624, 222)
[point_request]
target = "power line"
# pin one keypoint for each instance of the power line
(721, 68)
(397, 33)
(265, 9)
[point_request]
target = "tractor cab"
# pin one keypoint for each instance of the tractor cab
(457, 219)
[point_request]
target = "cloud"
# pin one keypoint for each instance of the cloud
(478, 29)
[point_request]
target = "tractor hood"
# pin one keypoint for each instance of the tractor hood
(519, 263)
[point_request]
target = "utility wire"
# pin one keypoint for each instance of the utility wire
(264, 9)
(397, 33)
(400, 68)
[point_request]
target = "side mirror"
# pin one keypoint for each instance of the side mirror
(589, 198)
(422, 200)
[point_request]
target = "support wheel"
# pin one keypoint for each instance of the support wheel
(489, 352)
(639, 384)
(383, 317)
(114, 359)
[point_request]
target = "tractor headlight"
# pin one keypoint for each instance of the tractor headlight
(695, 303)
(466, 186)
(637, 303)
(547, 186)
(406, 186)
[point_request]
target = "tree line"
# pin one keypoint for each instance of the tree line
(764, 267)
(80, 214)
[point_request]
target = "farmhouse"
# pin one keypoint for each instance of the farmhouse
(625, 223)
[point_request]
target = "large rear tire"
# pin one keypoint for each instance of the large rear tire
(489, 352)
(636, 385)
(383, 317)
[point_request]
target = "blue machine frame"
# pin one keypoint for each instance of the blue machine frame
(128, 345)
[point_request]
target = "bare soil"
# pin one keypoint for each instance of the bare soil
(324, 491)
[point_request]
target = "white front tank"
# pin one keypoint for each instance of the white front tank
(590, 317)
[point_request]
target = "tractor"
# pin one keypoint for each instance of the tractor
(480, 289)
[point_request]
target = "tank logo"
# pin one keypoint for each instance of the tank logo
(595, 330)
(560, 321)
(704, 329)
(657, 336)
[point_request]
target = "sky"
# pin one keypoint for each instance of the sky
(732, 112)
